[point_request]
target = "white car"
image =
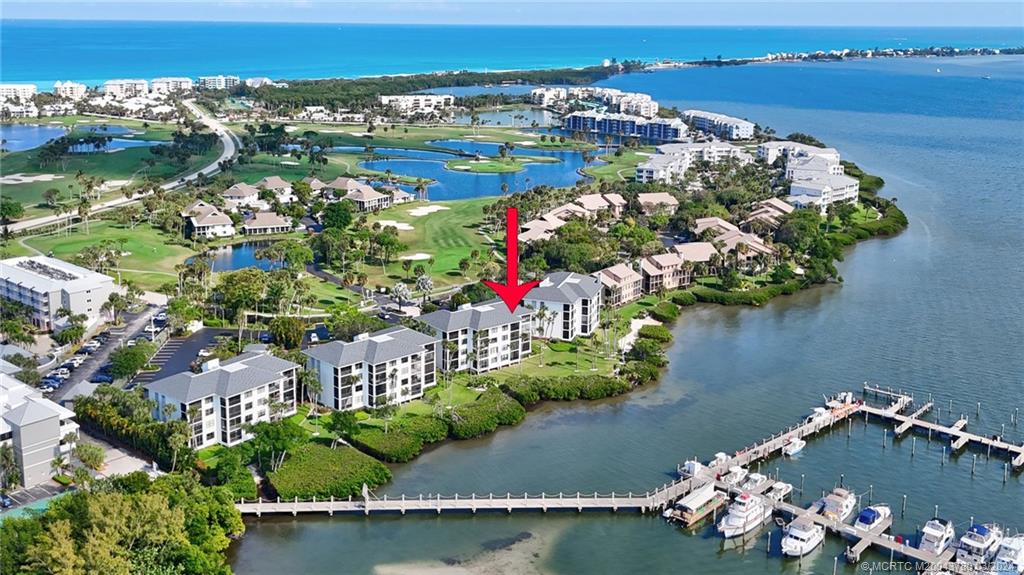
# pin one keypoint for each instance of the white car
(314, 338)
(131, 342)
(162, 316)
(77, 360)
(204, 353)
(152, 328)
(62, 373)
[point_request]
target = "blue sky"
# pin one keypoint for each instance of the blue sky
(512, 12)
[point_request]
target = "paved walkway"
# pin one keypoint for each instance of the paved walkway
(227, 139)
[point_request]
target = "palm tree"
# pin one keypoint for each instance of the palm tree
(10, 471)
(541, 319)
(59, 464)
(84, 206)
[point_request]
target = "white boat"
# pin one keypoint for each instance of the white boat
(690, 469)
(779, 491)
(735, 476)
(1010, 557)
(838, 505)
(793, 446)
(820, 415)
(754, 481)
(802, 537)
(871, 517)
(719, 459)
(746, 513)
(936, 536)
(979, 544)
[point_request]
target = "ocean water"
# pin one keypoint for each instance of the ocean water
(91, 52)
(936, 311)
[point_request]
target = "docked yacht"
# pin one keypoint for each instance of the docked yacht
(746, 513)
(779, 491)
(1010, 557)
(820, 415)
(690, 469)
(838, 505)
(802, 536)
(754, 481)
(871, 517)
(793, 446)
(979, 544)
(736, 475)
(720, 458)
(936, 536)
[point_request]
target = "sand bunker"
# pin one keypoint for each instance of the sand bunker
(461, 168)
(290, 129)
(289, 163)
(113, 184)
(26, 179)
(416, 257)
(400, 226)
(526, 143)
(426, 210)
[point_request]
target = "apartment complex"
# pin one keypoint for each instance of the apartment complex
(203, 220)
(47, 284)
(621, 284)
(171, 85)
(408, 104)
(572, 303)
(664, 272)
(548, 97)
(122, 89)
(226, 396)
(17, 91)
(817, 175)
(486, 335)
(393, 365)
(720, 125)
(585, 206)
(626, 125)
(218, 82)
(69, 90)
(266, 223)
(363, 196)
(674, 160)
(35, 428)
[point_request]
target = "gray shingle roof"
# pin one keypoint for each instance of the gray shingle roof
(377, 347)
(238, 374)
(483, 315)
(565, 287)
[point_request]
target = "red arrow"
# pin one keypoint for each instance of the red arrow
(511, 292)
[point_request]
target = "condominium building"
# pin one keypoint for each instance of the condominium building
(717, 225)
(37, 430)
(281, 187)
(817, 176)
(573, 304)
(548, 96)
(771, 151)
(203, 220)
(69, 90)
(657, 203)
(407, 104)
(226, 396)
(639, 105)
(663, 169)
(171, 85)
(626, 125)
(721, 125)
(811, 167)
(365, 197)
(766, 214)
(47, 284)
(218, 82)
(486, 335)
(621, 284)
(822, 191)
(393, 365)
(266, 223)
(121, 89)
(242, 194)
(17, 91)
(664, 272)
(259, 82)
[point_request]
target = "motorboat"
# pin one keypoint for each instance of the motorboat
(871, 517)
(779, 491)
(720, 458)
(700, 503)
(735, 475)
(979, 544)
(754, 481)
(746, 513)
(936, 536)
(838, 505)
(802, 537)
(820, 416)
(690, 469)
(793, 446)
(1010, 557)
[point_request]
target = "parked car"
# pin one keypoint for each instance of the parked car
(102, 378)
(61, 373)
(384, 315)
(152, 328)
(265, 337)
(77, 360)
(314, 338)
(205, 352)
(5, 501)
(162, 316)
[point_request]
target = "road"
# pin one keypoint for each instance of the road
(227, 140)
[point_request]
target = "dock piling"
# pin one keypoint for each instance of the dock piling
(942, 460)
(913, 446)
(903, 508)
(871, 493)
(768, 549)
(1006, 471)
(974, 464)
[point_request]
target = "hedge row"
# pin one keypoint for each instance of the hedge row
(665, 312)
(532, 390)
(758, 296)
(241, 484)
(316, 470)
(491, 409)
(658, 333)
(395, 446)
(684, 299)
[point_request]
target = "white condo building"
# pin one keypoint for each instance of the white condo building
(47, 284)
(486, 335)
(573, 304)
(548, 96)
(673, 160)
(35, 428)
(638, 105)
(817, 175)
(121, 89)
(226, 396)
(393, 365)
(171, 85)
(203, 220)
(721, 125)
(418, 103)
(17, 91)
(70, 90)
(218, 82)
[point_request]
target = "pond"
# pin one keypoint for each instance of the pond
(453, 185)
(510, 117)
(239, 256)
(21, 137)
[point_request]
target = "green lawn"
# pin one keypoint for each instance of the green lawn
(263, 165)
(620, 167)
(209, 455)
(459, 395)
(328, 293)
(558, 359)
(150, 263)
(496, 165)
(448, 235)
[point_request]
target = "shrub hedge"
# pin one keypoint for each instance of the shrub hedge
(241, 484)
(658, 333)
(427, 428)
(684, 299)
(665, 312)
(316, 470)
(758, 296)
(396, 446)
(491, 409)
(532, 390)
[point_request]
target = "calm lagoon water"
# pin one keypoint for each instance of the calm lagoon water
(21, 137)
(935, 310)
(239, 256)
